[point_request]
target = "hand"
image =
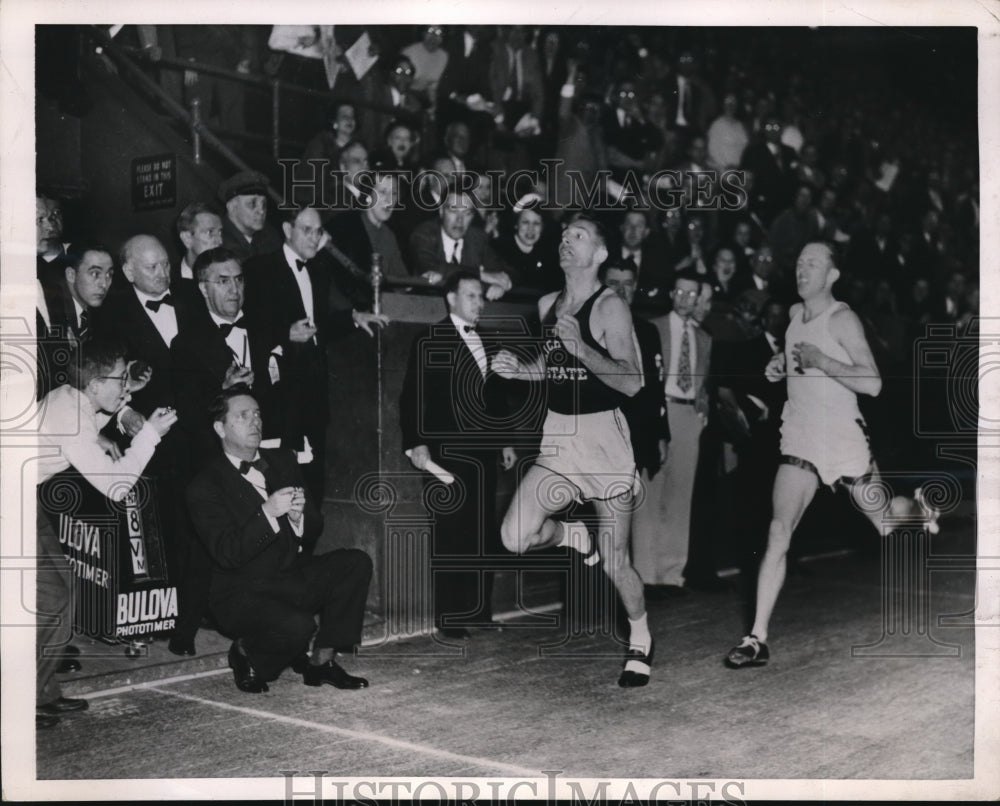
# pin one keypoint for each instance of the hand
(663, 445)
(807, 356)
(279, 502)
(298, 505)
(190, 78)
(420, 456)
(568, 330)
(775, 369)
(237, 374)
(109, 446)
(243, 66)
(492, 224)
(367, 320)
(432, 277)
(162, 419)
(476, 102)
(301, 331)
(131, 421)
(494, 292)
(508, 458)
(144, 377)
(506, 364)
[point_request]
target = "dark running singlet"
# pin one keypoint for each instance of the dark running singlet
(570, 387)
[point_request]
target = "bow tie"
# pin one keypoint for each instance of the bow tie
(469, 328)
(227, 327)
(300, 264)
(257, 463)
(154, 304)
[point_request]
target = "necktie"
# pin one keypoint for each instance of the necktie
(684, 382)
(257, 463)
(456, 253)
(227, 327)
(154, 304)
(300, 264)
(84, 324)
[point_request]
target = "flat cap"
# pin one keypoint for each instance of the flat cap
(245, 183)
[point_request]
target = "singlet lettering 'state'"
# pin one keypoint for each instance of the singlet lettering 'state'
(570, 387)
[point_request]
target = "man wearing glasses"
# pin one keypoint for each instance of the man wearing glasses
(662, 523)
(70, 420)
(773, 165)
(633, 142)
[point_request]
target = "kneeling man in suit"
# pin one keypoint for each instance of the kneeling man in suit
(250, 508)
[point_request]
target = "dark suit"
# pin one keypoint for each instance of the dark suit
(774, 179)
(273, 296)
(646, 411)
(57, 340)
(263, 589)
(699, 105)
(447, 405)
(427, 251)
(466, 76)
(267, 240)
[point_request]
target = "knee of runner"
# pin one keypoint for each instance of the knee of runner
(778, 536)
(511, 537)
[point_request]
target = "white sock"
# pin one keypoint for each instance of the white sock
(576, 536)
(639, 637)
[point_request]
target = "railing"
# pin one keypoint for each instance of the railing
(130, 59)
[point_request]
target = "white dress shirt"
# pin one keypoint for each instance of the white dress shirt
(164, 320)
(452, 248)
(472, 340)
(186, 271)
(69, 424)
(256, 478)
(677, 325)
(682, 91)
(237, 340)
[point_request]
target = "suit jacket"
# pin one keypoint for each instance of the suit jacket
(267, 240)
(466, 76)
(58, 339)
(226, 513)
(371, 128)
(199, 360)
(702, 361)
(273, 296)
(646, 411)
(427, 251)
(446, 401)
(532, 84)
(123, 317)
(774, 178)
(699, 103)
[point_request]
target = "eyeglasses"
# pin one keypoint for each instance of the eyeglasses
(227, 282)
(403, 71)
(773, 127)
(122, 379)
(626, 94)
(435, 30)
(685, 294)
(247, 415)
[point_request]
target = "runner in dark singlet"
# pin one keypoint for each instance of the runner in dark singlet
(589, 362)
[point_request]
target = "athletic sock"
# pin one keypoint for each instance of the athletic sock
(639, 637)
(577, 536)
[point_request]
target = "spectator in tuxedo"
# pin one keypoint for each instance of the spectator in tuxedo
(244, 228)
(440, 247)
(453, 413)
(529, 250)
(254, 514)
(199, 228)
(222, 350)
(646, 411)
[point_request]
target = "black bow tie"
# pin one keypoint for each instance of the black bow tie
(258, 463)
(154, 304)
(227, 327)
(469, 328)
(300, 264)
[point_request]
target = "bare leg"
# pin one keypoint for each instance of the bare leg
(614, 531)
(794, 488)
(527, 524)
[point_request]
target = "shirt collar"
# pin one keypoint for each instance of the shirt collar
(291, 256)
(448, 241)
(220, 321)
(235, 462)
(460, 323)
(144, 298)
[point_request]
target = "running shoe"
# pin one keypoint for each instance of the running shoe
(930, 514)
(750, 652)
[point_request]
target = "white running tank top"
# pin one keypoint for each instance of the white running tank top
(813, 396)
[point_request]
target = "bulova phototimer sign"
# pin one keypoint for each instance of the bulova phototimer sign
(116, 556)
(154, 182)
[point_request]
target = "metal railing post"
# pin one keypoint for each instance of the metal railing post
(196, 129)
(276, 117)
